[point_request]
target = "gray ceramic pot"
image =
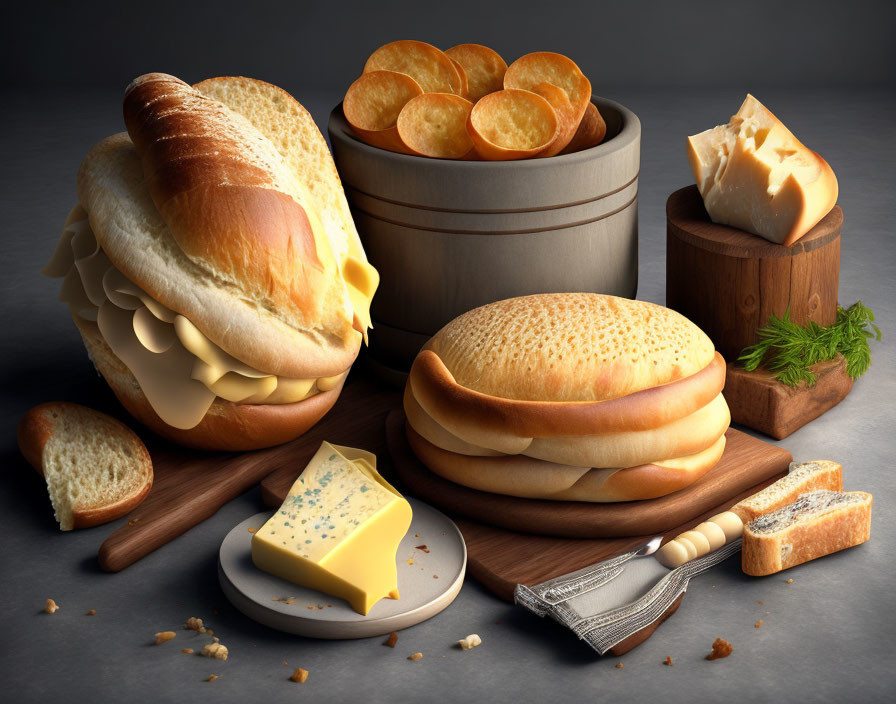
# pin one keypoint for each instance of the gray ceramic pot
(448, 236)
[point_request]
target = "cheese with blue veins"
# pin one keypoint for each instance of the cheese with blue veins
(338, 529)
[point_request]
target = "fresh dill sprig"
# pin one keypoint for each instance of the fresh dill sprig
(789, 350)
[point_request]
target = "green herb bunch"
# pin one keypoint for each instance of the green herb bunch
(788, 350)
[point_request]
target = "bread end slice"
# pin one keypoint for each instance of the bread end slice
(802, 478)
(96, 468)
(816, 524)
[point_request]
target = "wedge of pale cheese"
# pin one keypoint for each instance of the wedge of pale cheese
(755, 175)
(338, 529)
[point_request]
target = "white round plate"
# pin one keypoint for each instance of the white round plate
(427, 583)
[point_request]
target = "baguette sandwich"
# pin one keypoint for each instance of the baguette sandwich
(572, 397)
(212, 266)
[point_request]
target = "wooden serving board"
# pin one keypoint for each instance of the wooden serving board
(189, 486)
(502, 558)
(746, 462)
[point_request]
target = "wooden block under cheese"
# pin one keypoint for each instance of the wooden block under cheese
(755, 175)
(816, 524)
(338, 529)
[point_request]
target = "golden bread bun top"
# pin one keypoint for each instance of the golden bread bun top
(570, 347)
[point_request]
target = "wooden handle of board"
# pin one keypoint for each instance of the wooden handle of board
(184, 497)
(190, 486)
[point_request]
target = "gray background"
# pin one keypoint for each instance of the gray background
(826, 69)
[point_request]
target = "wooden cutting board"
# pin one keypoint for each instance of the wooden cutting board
(746, 462)
(189, 486)
(501, 558)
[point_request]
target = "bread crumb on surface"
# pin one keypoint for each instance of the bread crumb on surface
(758, 624)
(760, 602)
(421, 548)
(410, 560)
(194, 624)
(391, 640)
(51, 607)
(92, 612)
(435, 576)
(300, 675)
(619, 665)
(188, 651)
(212, 678)
(415, 657)
(215, 650)
(721, 648)
(668, 661)
(470, 642)
(789, 581)
(165, 636)
(284, 663)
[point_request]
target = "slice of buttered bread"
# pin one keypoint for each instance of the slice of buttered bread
(96, 468)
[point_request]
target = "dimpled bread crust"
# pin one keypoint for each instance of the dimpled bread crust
(570, 347)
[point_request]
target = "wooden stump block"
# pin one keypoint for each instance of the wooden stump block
(761, 402)
(729, 282)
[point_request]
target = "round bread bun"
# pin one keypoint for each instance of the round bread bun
(556, 365)
(226, 426)
(518, 475)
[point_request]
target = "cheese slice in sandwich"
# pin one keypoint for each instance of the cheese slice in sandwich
(755, 175)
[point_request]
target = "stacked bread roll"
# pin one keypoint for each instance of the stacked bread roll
(572, 397)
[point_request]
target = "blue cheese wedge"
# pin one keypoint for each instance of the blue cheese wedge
(338, 529)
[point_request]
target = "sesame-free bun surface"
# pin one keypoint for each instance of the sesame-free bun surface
(570, 347)
(226, 426)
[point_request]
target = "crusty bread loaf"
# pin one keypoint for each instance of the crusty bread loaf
(233, 427)
(816, 524)
(803, 477)
(292, 130)
(289, 127)
(237, 253)
(525, 477)
(232, 204)
(96, 468)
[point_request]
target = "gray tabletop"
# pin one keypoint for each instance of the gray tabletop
(825, 637)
